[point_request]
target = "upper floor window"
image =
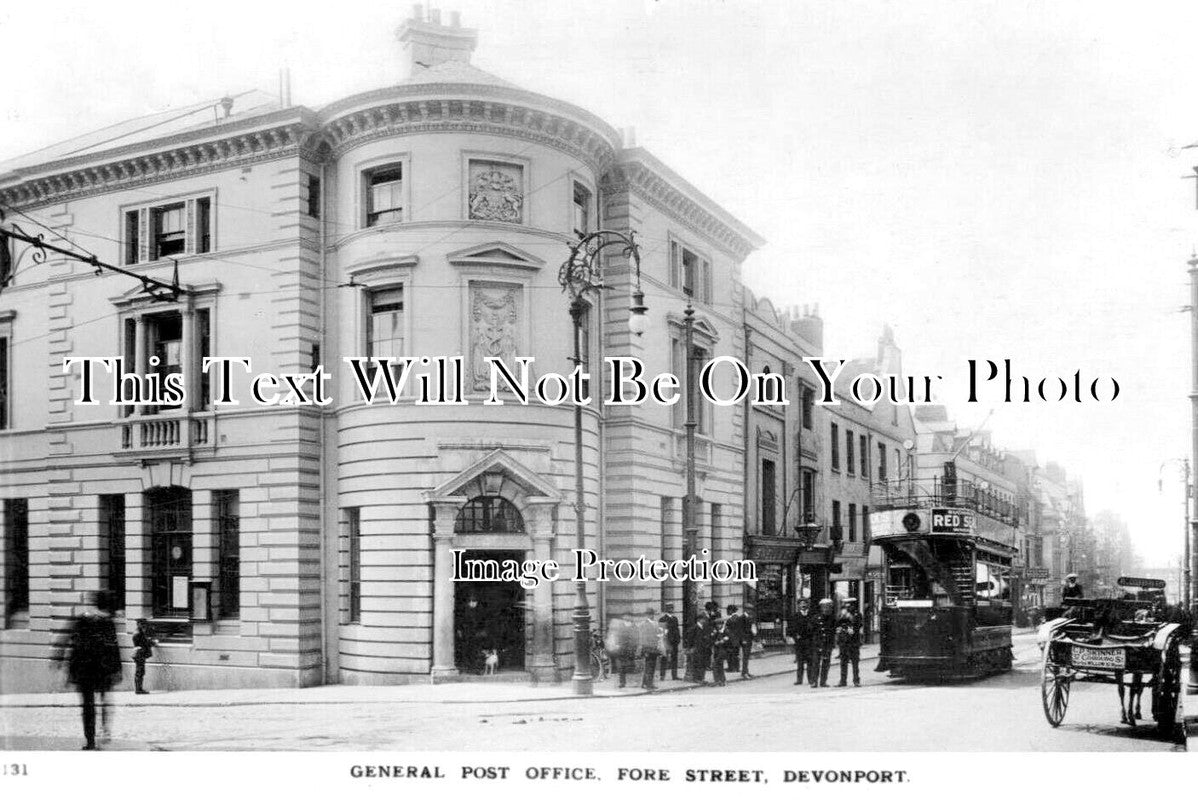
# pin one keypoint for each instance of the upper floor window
(584, 346)
(808, 407)
(848, 451)
(385, 323)
(183, 227)
(581, 217)
(852, 522)
(679, 368)
(5, 422)
(314, 196)
(496, 191)
(835, 446)
(864, 457)
(769, 497)
(157, 344)
(384, 195)
(881, 462)
(690, 272)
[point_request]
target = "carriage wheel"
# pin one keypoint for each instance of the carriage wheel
(1166, 689)
(1054, 688)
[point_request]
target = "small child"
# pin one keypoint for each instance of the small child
(143, 648)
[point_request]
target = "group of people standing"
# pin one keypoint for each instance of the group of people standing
(714, 642)
(816, 635)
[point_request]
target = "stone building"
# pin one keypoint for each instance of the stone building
(290, 545)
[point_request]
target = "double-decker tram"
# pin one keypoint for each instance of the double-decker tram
(947, 605)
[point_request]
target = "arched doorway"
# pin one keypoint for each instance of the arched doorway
(489, 614)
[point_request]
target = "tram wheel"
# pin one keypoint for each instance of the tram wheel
(1166, 689)
(1055, 680)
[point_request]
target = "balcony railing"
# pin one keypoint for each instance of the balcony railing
(936, 492)
(160, 434)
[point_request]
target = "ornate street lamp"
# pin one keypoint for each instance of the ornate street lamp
(582, 274)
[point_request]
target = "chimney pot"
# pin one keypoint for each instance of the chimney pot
(455, 19)
(418, 12)
(434, 16)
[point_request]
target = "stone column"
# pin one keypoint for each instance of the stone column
(444, 666)
(538, 520)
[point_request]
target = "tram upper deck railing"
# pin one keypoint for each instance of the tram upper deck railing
(936, 492)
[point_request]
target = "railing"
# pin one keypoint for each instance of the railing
(163, 433)
(936, 491)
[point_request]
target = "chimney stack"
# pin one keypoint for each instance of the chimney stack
(810, 327)
(425, 42)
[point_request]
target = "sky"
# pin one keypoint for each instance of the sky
(995, 180)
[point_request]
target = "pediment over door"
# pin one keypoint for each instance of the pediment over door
(516, 479)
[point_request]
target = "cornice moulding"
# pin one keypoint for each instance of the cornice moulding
(466, 109)
(147, 165)
(685, 204)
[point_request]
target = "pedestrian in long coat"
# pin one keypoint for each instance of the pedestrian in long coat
(802, 630)
(848, 638)
(650, 637)
(93, 662)
(722, 646)
(622, 643)
(699, 655)
(825, 640)
(673, 637)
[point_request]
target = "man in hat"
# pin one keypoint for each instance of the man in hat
(92, 658)
(848, 636)
(802, 629)
(824, 641)
(650, 636)
(1072, 588)
(740, 635)
(672, 638)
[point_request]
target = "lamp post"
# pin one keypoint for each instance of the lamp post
(690, 533)
(581, 274)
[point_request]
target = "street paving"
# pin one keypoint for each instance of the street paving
(767, 714)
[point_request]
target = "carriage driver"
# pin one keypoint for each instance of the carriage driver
(1072, 588)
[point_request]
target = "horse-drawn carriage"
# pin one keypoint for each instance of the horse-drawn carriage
(1125, 642)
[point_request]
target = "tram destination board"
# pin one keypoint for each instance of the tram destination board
(945, 520)
(1098, 658)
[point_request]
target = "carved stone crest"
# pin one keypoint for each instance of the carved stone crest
(494, 313)
(496, 191)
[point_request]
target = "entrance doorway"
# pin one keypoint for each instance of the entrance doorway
(489, 615)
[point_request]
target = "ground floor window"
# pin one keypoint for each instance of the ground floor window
(227, 506)
(169, 515)
(16, 562)
(112, 542)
